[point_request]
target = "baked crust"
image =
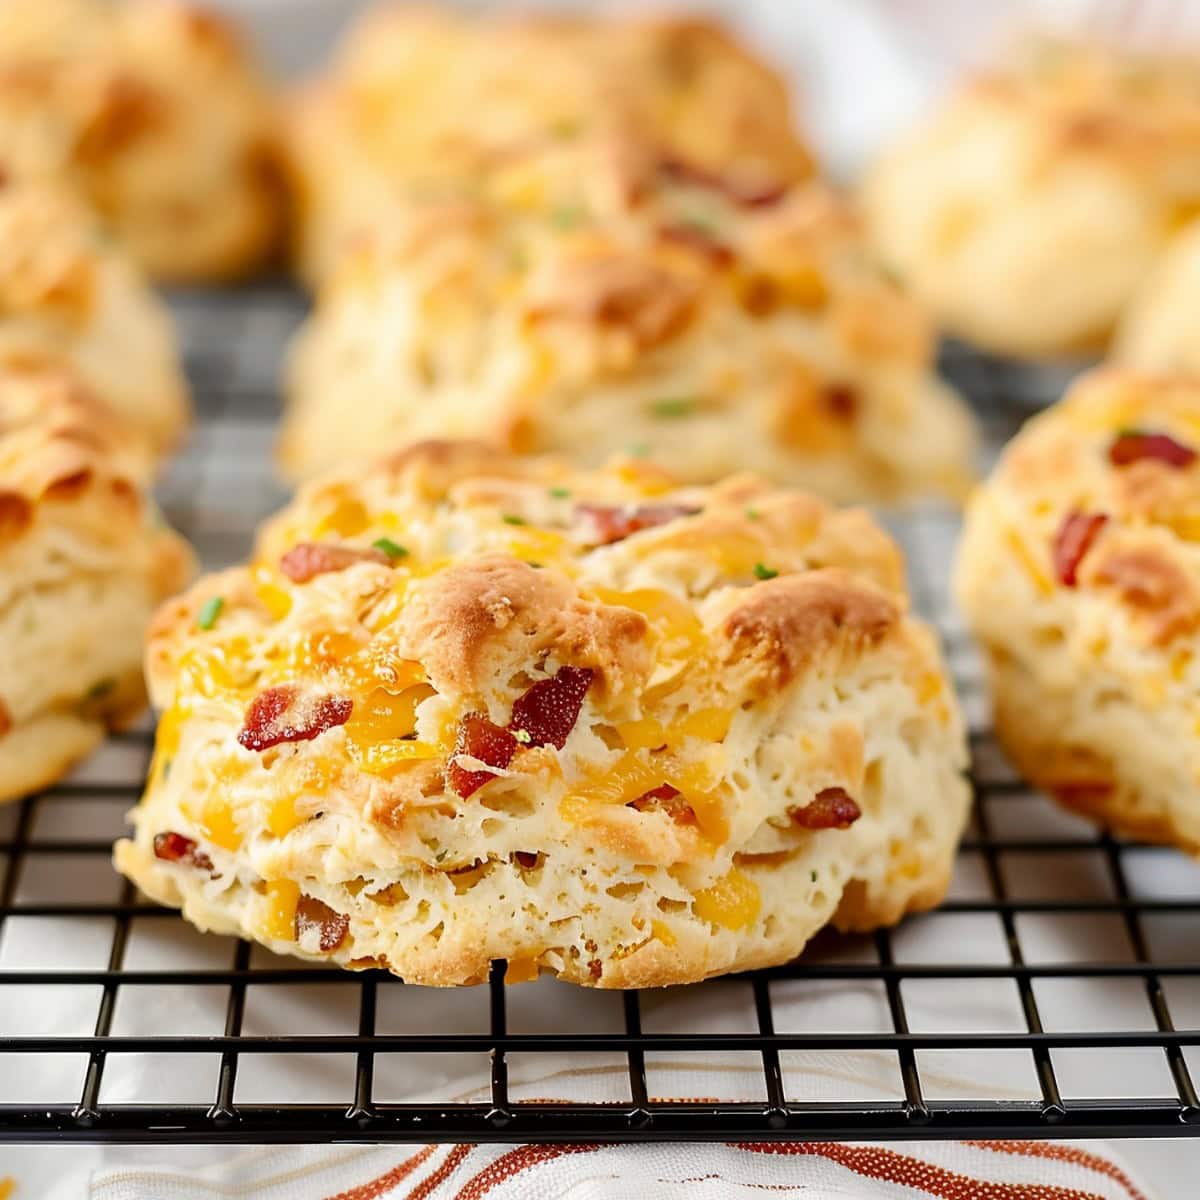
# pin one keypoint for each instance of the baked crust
(152, 112)
(1080, 572)
(83, 562)
(979, 207)
(1159, 331)
(571, 306)
(568, 722)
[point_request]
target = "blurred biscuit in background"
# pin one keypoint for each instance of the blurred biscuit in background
(152, 111)
(1028, 207)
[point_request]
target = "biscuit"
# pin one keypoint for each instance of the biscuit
(69, 295)
(602, 299)
(1080, 572)
(84, 561)
(422, 99)
(151, 111)
(1160, 330)
(465, 706)
(1028, 207)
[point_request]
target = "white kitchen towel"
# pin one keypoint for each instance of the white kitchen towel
(978, 1170)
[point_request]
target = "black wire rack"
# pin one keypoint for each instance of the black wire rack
(1055, 993)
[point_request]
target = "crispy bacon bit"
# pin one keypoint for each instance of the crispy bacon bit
(1073, 540)
(696, 237)
(611, 524)
(6, 721)
(841, 400)
(595, 968)
(174, 847)
(309, 559)
(315, 914)
(525, 859)
(830, 808)
(478, 738)
(740, 191)
(1133, 445)
(547, 712)
(283, 714)
(668, 799)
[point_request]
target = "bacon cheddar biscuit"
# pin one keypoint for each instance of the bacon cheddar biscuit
(1029, 207)
(465, 706)
(84, 561)
(68, 295)
(1080, 572)
(423, 99)
(150, 110)
(601, 299)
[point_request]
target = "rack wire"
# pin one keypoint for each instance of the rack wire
(1055, 993)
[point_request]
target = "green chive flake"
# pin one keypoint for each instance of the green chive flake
(210, 610)
(763, 572)
(390, 548)
(523, 736)
(753, 514)
(638, 450)
(674, 406)
(560, 493)
(513, 519)
(101, 688)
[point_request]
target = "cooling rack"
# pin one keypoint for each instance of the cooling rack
(1055, 993)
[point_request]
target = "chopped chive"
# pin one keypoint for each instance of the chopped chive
(814, 877)
(701, 222)
(638, 450)
(210, 610)
(101, 688)
(390, 548)
(567, 217)
(523, 736)
(762, 572)
(537, 566)
(566, 128)
(513, 519)
(560, 493)
(674, 406)
(753, 514)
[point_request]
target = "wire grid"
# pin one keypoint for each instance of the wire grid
(1059, 952)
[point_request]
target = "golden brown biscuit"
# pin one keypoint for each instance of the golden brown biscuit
(151, 111)
(465, 706)
(1027, 209)
(601, 299)
(1080, 572)
(423, 99)
(1160, 330)
(84, 560)
(69, 295)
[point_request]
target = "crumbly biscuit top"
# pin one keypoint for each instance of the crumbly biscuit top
(598, 253)
(406, 75)
(1108, 483)
(418, 629)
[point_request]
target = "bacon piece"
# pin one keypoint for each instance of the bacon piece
(830, 808)
(283, 714)
(697, 238)
(740, 191)
(547, 712)
(174, 847)
(612, 524)
(1134, 445)
(315, 914)
(668, 799)
(1073, 540)
(526, 859)
(479, 738)
(309, 559)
